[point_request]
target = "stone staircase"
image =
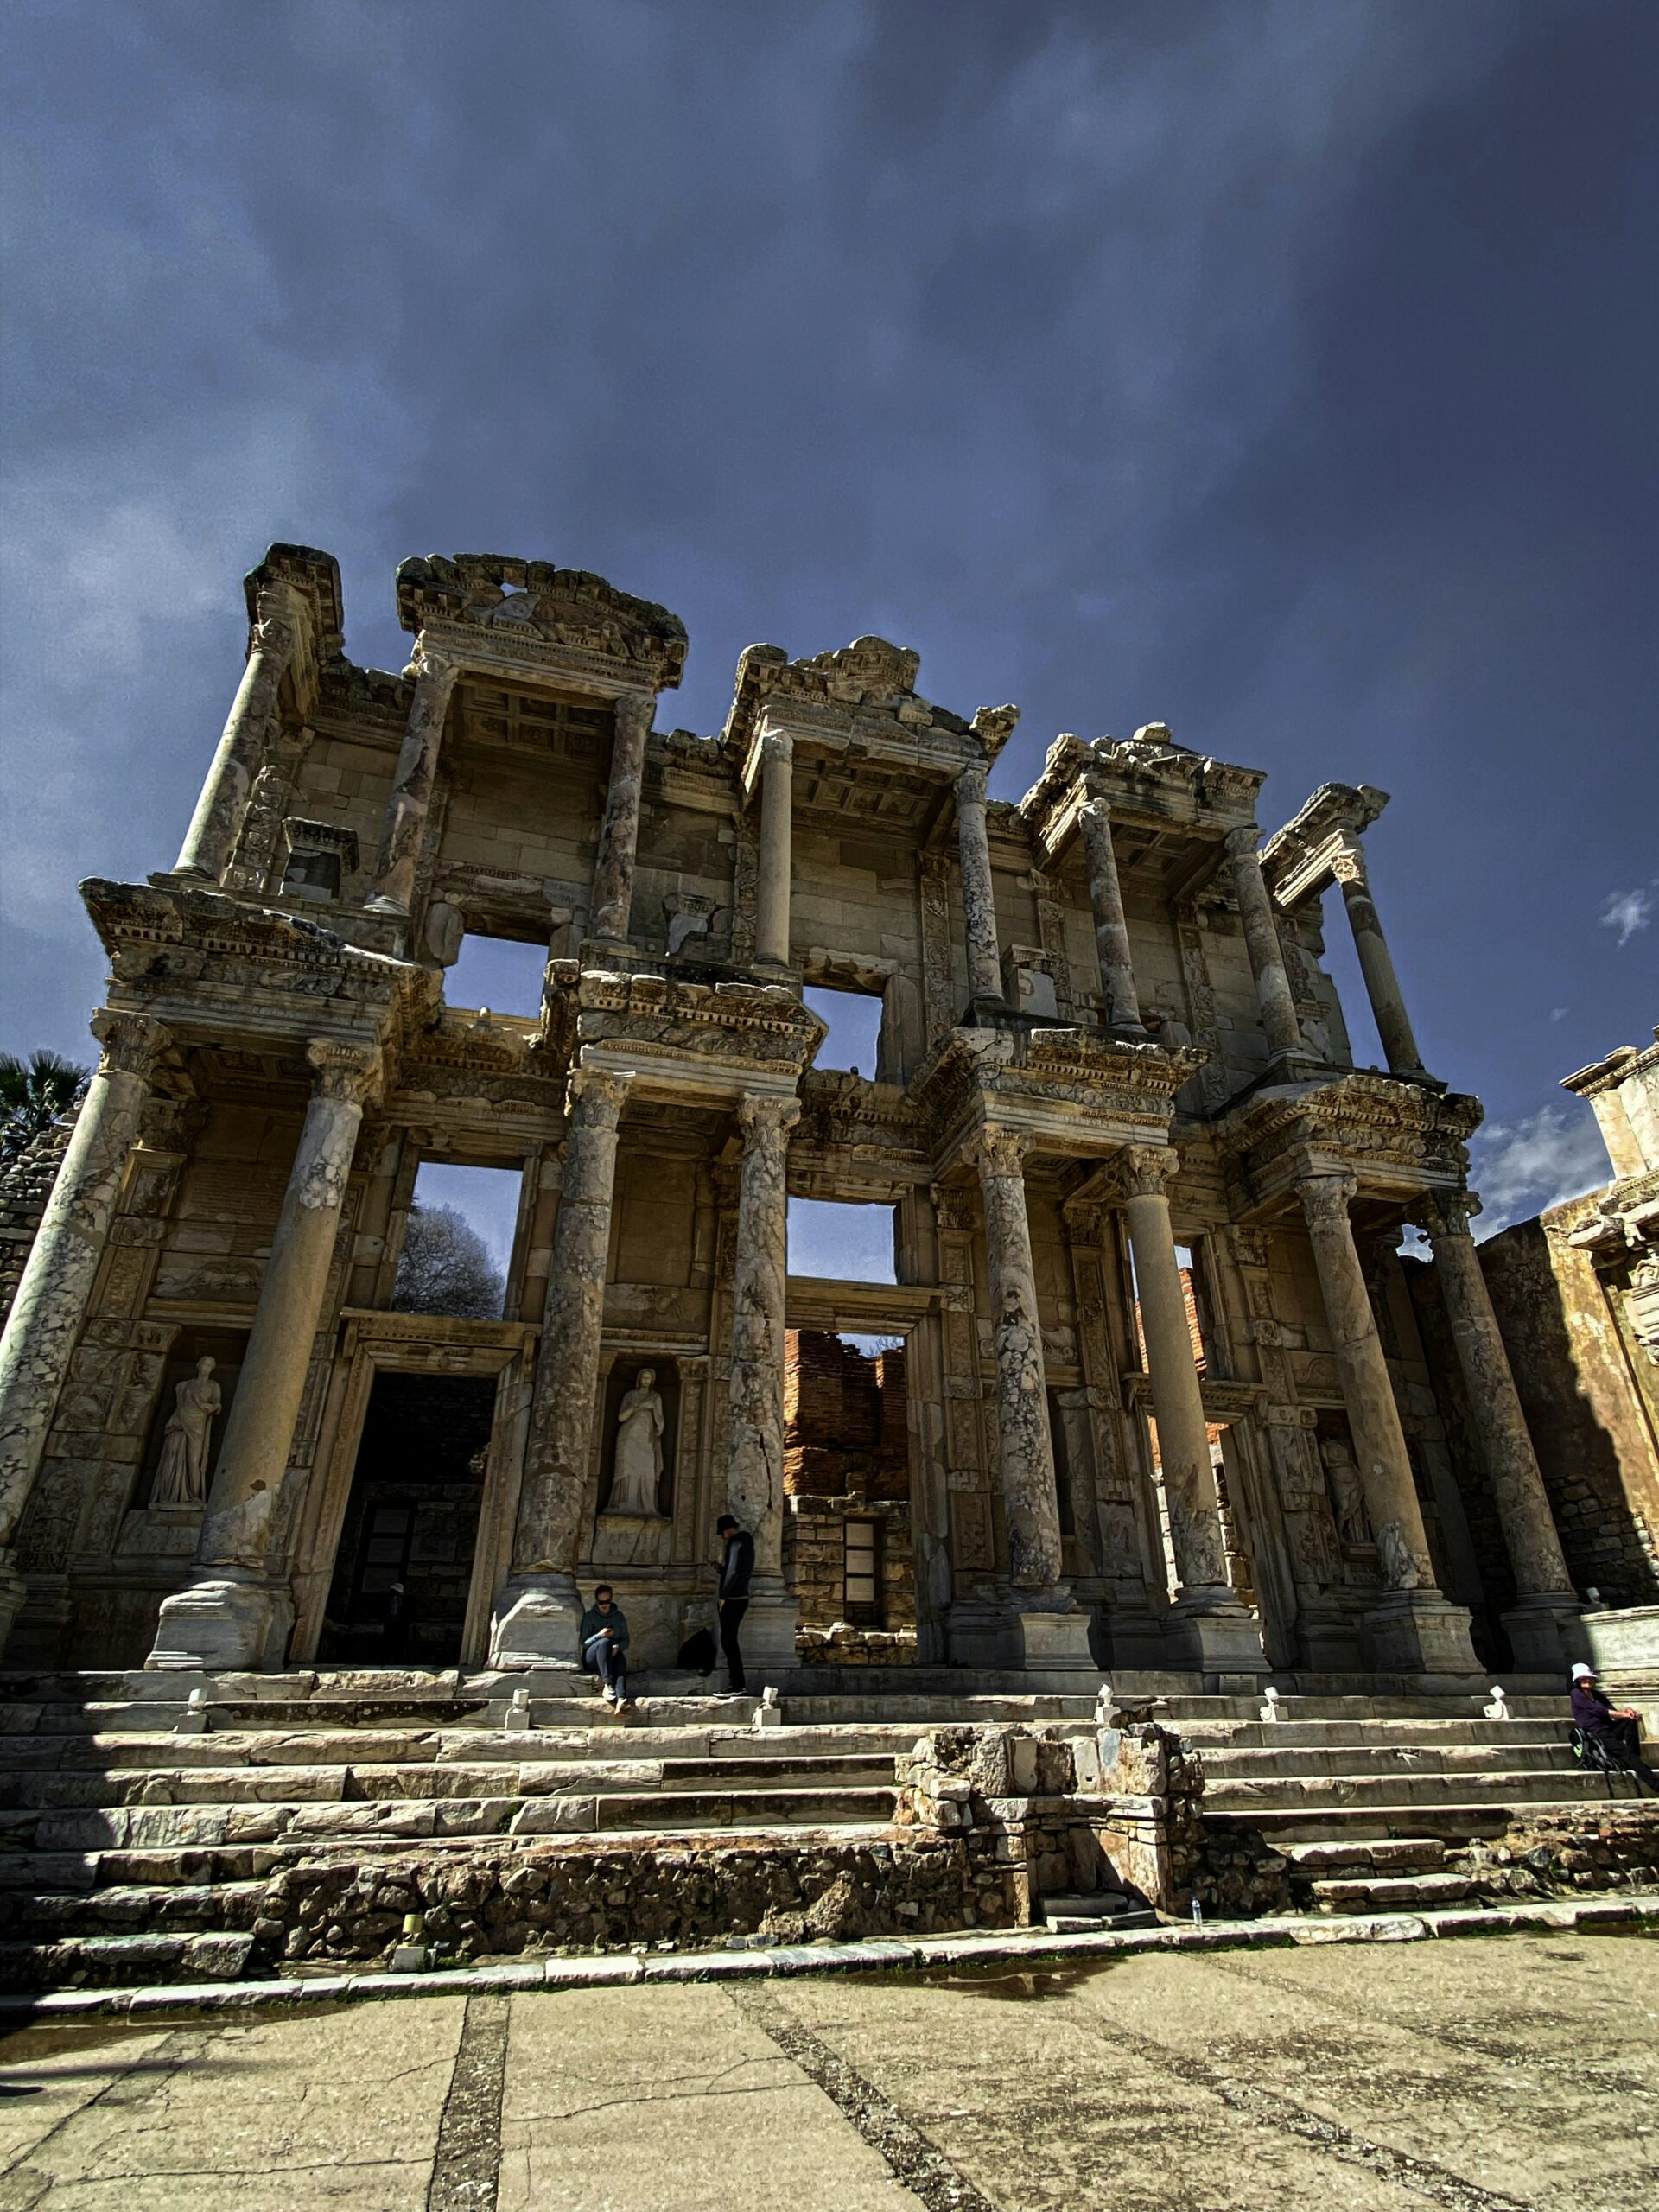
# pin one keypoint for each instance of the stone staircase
(140, 1834)
(1376, 1808)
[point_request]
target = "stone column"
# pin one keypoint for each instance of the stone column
(771, 891)
(1382, 984)
(1414, 1629)
(210, 838)
(236, 1613)
(619, 836)
(1272, 990)
(537, 1612)
(1025, 1449)
(978, 899)
(755, 1478)
(1111, 931)
(411, 784)
(1210, 1629)
(47, 1313)
(1541, 1624)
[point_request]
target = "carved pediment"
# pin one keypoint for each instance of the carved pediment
(534, 603)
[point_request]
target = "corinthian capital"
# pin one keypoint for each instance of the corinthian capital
(434, 672)
(1240, 843)
(1324, 1198)
(996, 1151)
(970, 786)
(1145, 1171)
(1348, 863)
(597, 1096)
(777, 745)
(635, 711)
(766, 1120)
(342, 1072)
(1445, 1213)
(132, 1043)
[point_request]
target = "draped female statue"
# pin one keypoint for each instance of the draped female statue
(182, 1477)
(637, 1480)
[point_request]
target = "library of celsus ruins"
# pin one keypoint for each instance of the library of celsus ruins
(1154, 1395)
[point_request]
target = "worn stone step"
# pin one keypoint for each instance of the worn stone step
(1295, 1762)
(1248, 1735)
(148, 1909)
(114, 1961)
(1390, 1893)
(1405, 1788)
(1418, 1854)
(1452, 1824)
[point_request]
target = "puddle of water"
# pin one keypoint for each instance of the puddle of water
(994, 1977)
(31, 2046)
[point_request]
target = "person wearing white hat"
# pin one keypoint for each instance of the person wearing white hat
(1619, 1726)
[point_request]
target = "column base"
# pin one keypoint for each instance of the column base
(13, 1591)
(980, 1631)
(391, 910)
(223, 1624)
(1544, 1631)
(1210, 1631)
(768, 1636)
(1418, 1632)
(1327, 1638)
(1056, 1644)
(535, 1623)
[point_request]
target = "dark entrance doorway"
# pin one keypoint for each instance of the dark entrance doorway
(398, 1598)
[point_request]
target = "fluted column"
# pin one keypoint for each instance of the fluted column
(47, 1313)
(1025, 1449)
(235, 1614)
(1540, 1626)
(210, 838)
(537, 1612)
(978, 899)
(755, 1478)
(619, 836)
(772, 888)
(1413, 1628)
(1111, 930)
(1376, 963)
(412, 782)
(1273, 991)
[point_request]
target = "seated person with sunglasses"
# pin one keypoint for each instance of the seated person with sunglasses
(604, 1634)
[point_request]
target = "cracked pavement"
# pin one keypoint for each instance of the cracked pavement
(1512, 2074)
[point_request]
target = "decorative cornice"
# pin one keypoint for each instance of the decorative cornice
(543, 612)
(1301, 859)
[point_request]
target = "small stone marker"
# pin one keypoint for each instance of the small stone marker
(1270, 1710)
(1499, 1708)
(518, 1709)
(192, 1721)
(769, 1713)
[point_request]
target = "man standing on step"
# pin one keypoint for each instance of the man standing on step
(603, 1634)
(736, 1569)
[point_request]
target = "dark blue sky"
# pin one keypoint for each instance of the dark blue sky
(1282, 370)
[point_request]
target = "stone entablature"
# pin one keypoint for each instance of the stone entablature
(1110, 1093)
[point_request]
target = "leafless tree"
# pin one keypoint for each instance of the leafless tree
(445, 1268)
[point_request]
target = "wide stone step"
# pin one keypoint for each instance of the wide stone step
(1297, 1762)
(1262, 1735)
(1413, 1854)
(1390, 1893)
(116, 1961)
(150, 1909)
(1349, 1824)
(1406, 1788)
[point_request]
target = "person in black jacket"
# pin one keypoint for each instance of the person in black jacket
(736, 1570)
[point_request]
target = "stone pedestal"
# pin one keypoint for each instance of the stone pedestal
(235, 1622)
(1210, 1630)
(1545, 1631)
(535, 1623)
(1418, 1632)
(768, 1636)
(1056, 1644)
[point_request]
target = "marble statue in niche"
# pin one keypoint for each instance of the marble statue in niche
(1347, 1492)
(181, 1476)
(636, 1482)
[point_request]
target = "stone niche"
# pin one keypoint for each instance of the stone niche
(624, 1537)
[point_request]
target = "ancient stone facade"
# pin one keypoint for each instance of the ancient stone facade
(1106, 1040)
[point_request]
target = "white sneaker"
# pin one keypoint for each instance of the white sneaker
(608, 1695)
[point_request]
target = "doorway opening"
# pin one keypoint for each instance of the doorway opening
(847, 1556)
(404, 1565)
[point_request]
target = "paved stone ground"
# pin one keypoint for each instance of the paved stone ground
(1482, 2075)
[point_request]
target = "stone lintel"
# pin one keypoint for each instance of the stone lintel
(1179, 789)
(1297, 860)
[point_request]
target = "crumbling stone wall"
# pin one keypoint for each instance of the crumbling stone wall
(25, 1185)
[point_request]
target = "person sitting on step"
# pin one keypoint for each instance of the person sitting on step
(1618, 1726)
(604, 1634)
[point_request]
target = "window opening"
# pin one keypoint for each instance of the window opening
(312, 875)
(458, 1241)
(852, 1046)
(498, 972)
(862, 1570)
(846, 1242)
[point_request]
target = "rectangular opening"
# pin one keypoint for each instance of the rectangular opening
(862, 1571)
(499, 973)
(852, 1046)
(847, 1242)
(312, 875)
(458, 1240)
